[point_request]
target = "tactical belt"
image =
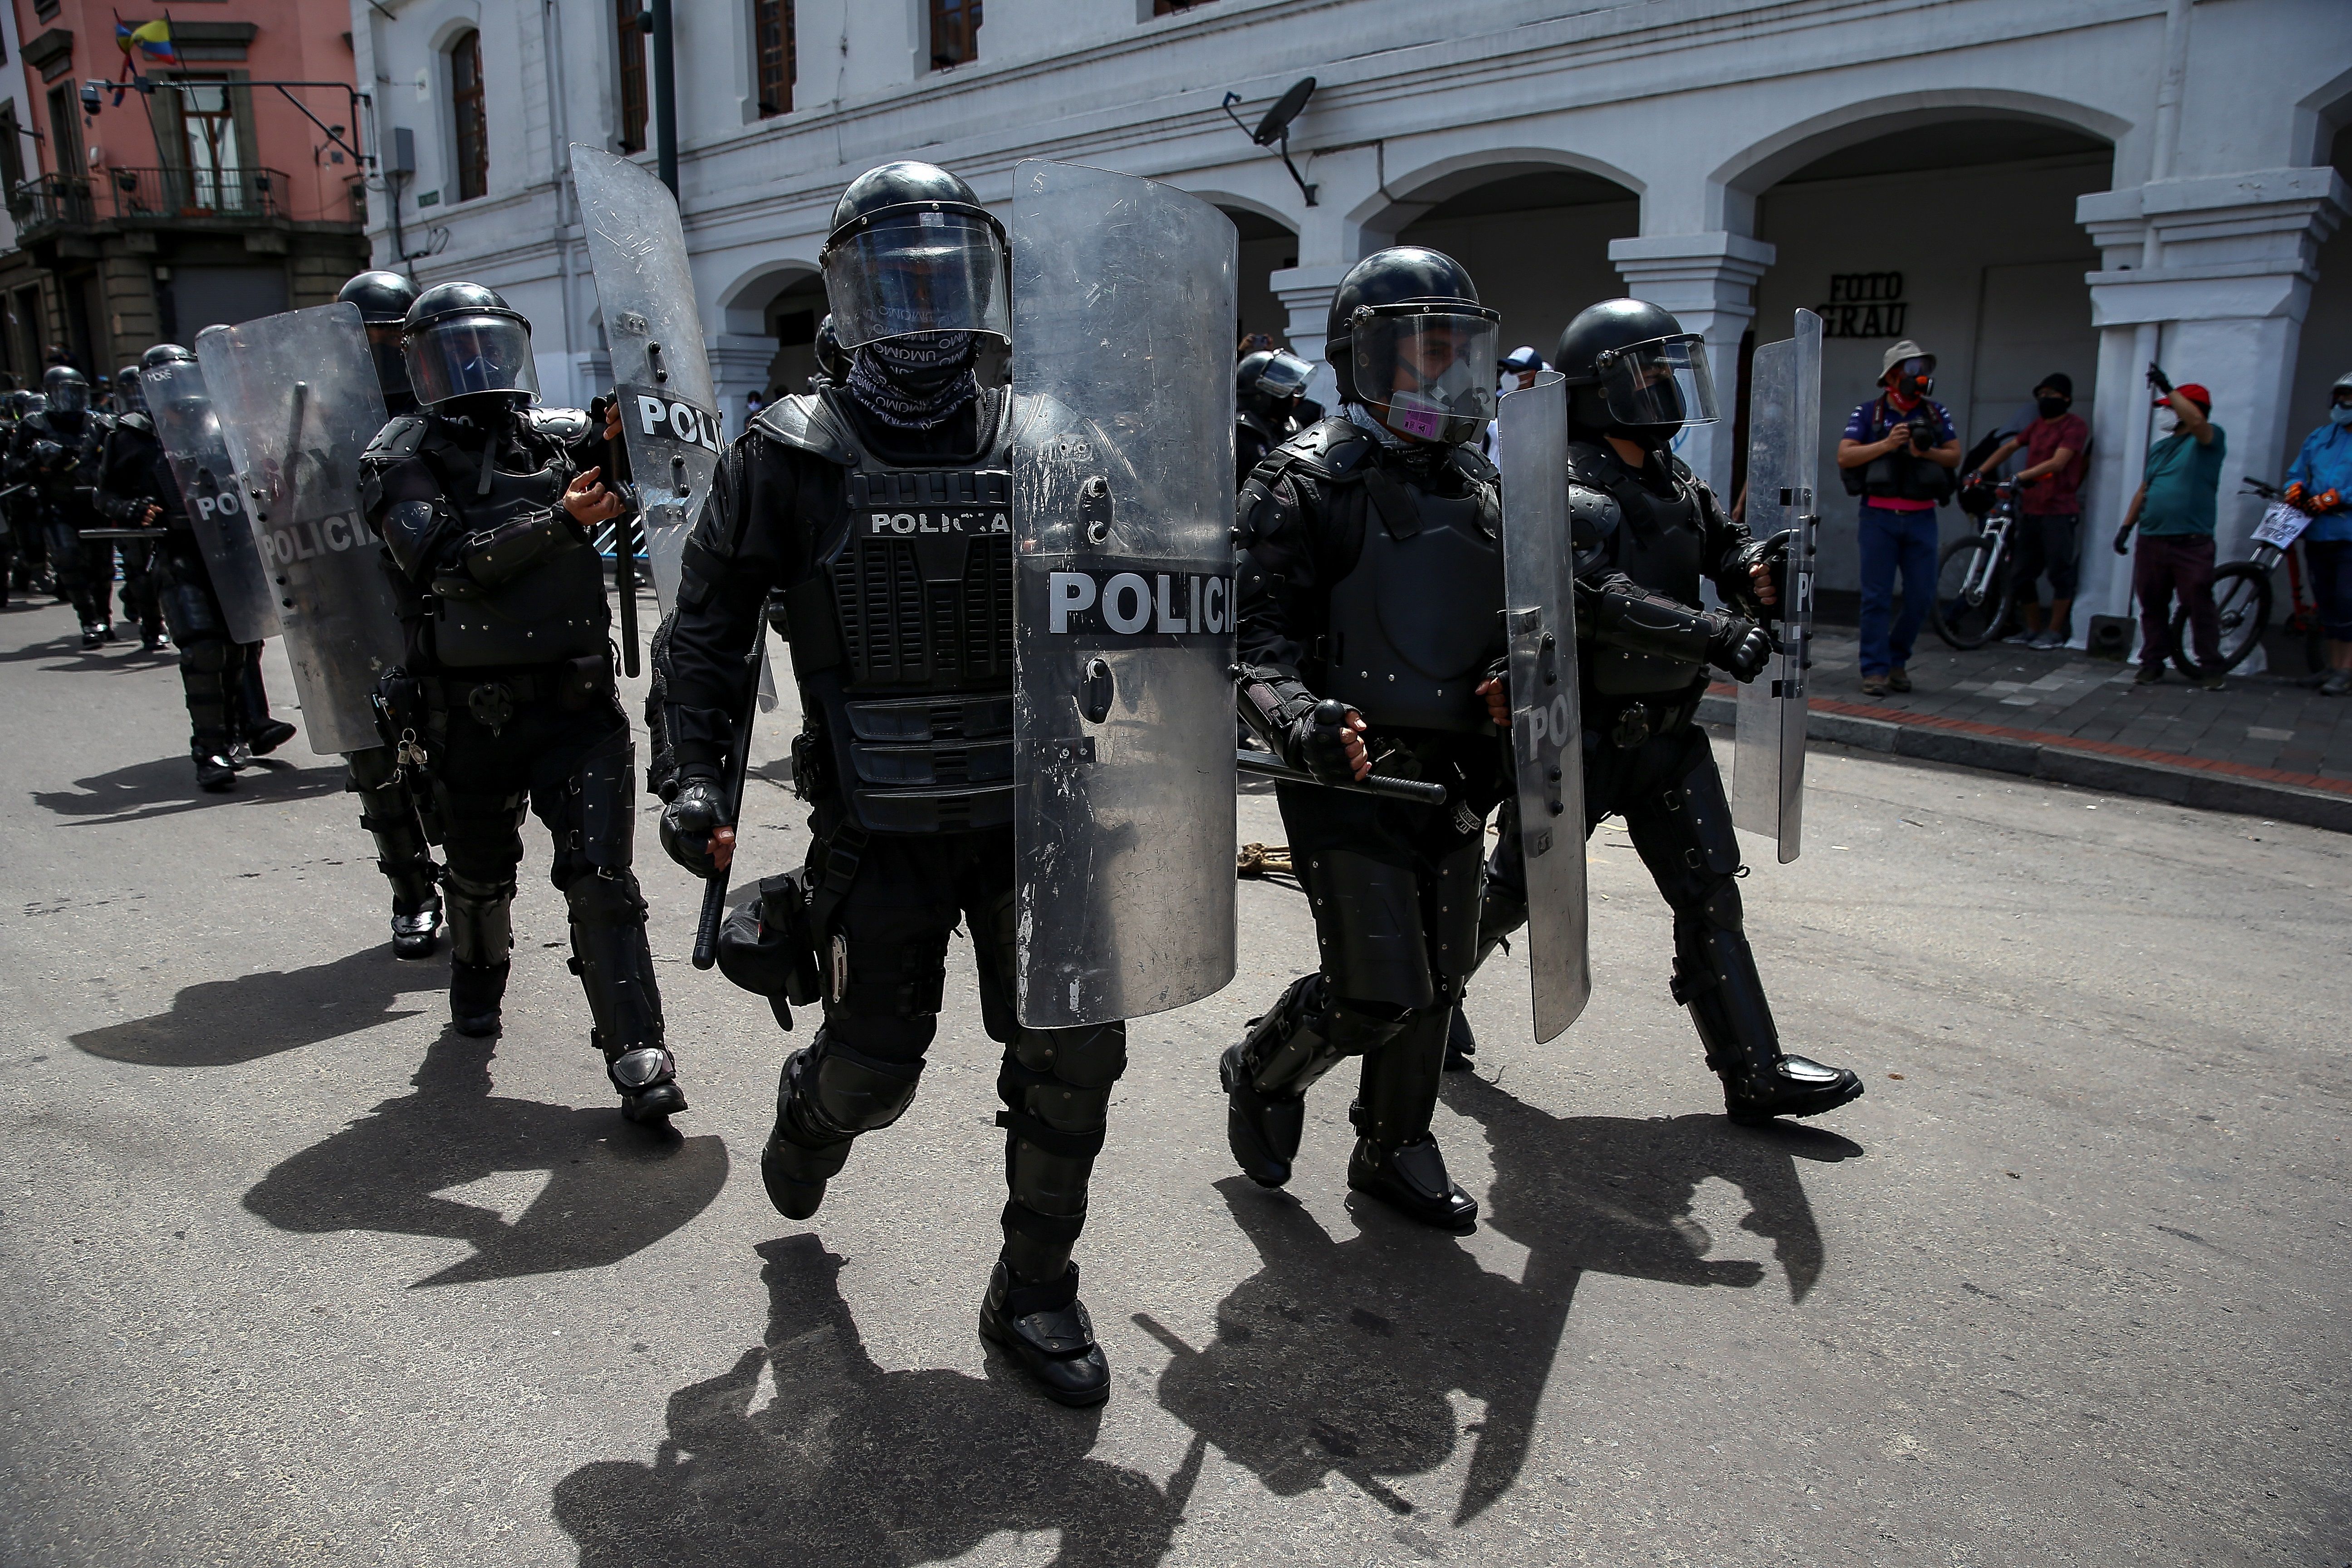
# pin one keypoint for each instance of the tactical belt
(493, 694)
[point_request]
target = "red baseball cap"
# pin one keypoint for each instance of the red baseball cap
(2191, 391)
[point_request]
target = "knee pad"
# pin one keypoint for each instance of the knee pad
(603, 805)
(605, 900)
(480, 917)
(1368, 927)
(1721, 906)
(372, 769)
(837, 1091)
(207, 658)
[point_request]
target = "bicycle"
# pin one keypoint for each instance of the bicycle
(2243, 591)
(1972, 604)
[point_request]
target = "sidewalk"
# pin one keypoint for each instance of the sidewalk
(2262, 746)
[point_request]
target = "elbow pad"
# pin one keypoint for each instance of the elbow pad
(1623, 616)
(497, 556)
(409, 529)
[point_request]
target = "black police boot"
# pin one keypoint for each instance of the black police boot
(1461, 1045)
(1261, 1130)
(94, 636)
(800, 1158)
(266, 737)
(1046, 1329)
(1726, 998)
(1413, 1181)
(152, 639)
(646, 1077)
(416, 926)
(215, 773)
(475, 992)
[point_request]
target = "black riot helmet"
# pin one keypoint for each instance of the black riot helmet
(64, 390)
(1270, 382)
(129, 397)
(1408, 339)
(462, 340)
(162, 355)
(830, 362)
(1631, 370)
(912, 250)
(384, 299)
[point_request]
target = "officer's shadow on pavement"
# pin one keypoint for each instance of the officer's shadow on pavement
(1339, 1357)
(613, 1189)
(75, 659)
(848, 1464)
(167, 786)
(221, 1023)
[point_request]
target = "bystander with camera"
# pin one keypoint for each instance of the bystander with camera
(1898, 454)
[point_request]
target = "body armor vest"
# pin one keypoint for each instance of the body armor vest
(1416, 623)
(1657, 545)
(904, 636)
(554, 609)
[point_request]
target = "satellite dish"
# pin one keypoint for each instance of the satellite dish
(1286, 108)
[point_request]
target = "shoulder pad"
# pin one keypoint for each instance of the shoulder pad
(802, 420)
(1331, 448)
(398, 440)
(1474, 464)
(1589, 463)
(139, 422)
(1593, 513)
(564, 425)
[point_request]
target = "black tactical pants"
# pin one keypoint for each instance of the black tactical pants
(573, 768)
(141, 584)
(1671, 796)
(218, 677)
(83, 570)
(1394, 889)
(895, 900)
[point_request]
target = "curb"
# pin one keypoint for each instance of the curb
(2206, 785)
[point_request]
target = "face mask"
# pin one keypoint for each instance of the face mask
(2167, 424)
(2052, 408)
(1903, 400)
(2341, 414)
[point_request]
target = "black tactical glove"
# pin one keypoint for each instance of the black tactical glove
(1318, 741)
(689, 820)
(1772, 552)
(1737, 646)
(2155, 379)
(2122, 538)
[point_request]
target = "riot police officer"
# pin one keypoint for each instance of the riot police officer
(220, 677)
(28, 555)
(1645, 531)
(1269, 387)
(903, 649)
(142, 583)
(388, 806)
(56, 453)
(485, 503)
(1370, 592)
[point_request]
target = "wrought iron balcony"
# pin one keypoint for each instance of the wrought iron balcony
(50, 201)
(148, 195)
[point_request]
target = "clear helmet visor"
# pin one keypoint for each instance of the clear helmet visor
(1662, 382)
(1284, 376)
(67, 397)
(129, 397)
(1428, 373)
(461, 356)
(918, 272)
(391, 359)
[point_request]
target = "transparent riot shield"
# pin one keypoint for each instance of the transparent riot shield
(661, 373)
(1546, 741)
(1784, 438)
(298, 402)
(190, 432)
(1123, 618)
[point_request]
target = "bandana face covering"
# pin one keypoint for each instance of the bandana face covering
(916, 382)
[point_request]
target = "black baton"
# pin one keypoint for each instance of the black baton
(714, 892)
(625, 558)
(1417, 791)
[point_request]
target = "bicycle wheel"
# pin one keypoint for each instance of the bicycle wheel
(2242, 597)
(1972, 592)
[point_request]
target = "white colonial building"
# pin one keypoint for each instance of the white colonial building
(2022, 186)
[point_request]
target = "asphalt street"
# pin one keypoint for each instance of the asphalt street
(291, 1274)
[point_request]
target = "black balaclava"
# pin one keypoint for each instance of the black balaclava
(916, 382)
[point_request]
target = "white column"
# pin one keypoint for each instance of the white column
(1708, 281)
(2211, 275)
(1306, 294)
(738, 367)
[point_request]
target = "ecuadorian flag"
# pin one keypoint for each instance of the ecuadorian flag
(153, 39)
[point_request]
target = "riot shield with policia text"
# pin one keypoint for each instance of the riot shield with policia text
(1784, 431)
(1123, 619)
(661, 373)
(190, 431)
(298, 402)
(1546, 739)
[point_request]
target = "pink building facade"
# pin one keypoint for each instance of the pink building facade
(205, 199)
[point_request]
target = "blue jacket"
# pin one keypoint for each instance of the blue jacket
(2326, 464)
